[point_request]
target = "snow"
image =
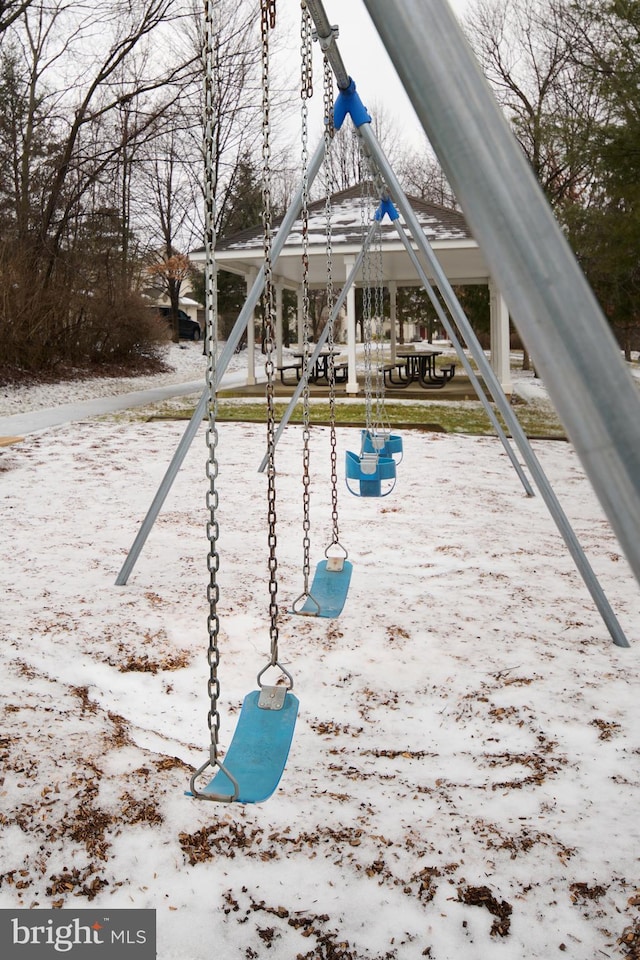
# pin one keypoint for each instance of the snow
(346, 221)
(185, 361)
(463, 781)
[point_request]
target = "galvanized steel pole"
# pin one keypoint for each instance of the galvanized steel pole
(327, 35)
(470, 372)
(528, 256)
(223, 361)
(495, 388)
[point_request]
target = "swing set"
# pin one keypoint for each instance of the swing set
(256, 757)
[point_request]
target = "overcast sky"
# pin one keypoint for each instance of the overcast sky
(367, 61)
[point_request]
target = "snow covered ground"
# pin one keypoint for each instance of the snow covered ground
(185, 360)
(465, 775)
(187, 364)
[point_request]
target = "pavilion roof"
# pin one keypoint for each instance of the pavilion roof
(445, 228)
(438, 223)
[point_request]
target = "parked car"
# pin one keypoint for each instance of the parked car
(188, 329)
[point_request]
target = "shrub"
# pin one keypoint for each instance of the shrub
(54, 318)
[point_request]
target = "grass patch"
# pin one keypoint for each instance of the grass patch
(537, 420)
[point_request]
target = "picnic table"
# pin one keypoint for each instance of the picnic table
(418, 364)
(320, 369)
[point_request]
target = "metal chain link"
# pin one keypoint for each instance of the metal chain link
(211, 325)
(381, 416)
(306, 91)
(271, 12)
(366, 301)
(267, 22)
(329, 132)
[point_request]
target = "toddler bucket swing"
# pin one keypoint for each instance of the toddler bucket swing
(372, 471)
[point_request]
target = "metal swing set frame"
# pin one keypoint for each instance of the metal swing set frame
(528, 256)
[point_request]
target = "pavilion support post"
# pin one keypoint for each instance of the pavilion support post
(393, 308)
(279, 289)
(500, 341)
(352, 379)
(251, 334)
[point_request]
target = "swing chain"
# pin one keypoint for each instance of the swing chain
(376, 186)
(306, 90)
(327, 96)
(366, 301)
(211, 332)
(329, 132)
(267, 22)
(381, 416)
(306, 62)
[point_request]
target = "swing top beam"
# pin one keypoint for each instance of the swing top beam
(327, 36)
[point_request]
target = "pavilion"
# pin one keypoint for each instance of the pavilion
(445, 229)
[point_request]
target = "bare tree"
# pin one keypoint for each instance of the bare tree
(64, 67)
(526, 50)
(423, 177)
(237, 99)
(10, 11)
(348, 166)
(50, 41)
(101, 151)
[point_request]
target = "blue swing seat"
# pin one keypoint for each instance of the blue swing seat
(329, 589)
(370, 475)
(384, 443)
(258, 752)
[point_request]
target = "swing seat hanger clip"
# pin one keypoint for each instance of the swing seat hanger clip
(336, 556)
(273, 696)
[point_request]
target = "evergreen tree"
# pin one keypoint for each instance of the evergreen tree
(242, 205)
(606, 233)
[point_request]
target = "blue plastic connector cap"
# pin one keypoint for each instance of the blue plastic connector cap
(349, 102)
(386, 207)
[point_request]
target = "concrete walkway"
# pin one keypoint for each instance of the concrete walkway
(35, 421)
